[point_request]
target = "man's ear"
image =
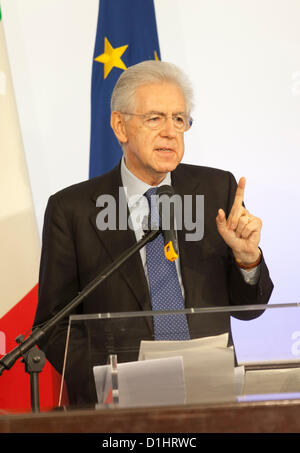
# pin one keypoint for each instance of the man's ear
(118, 126)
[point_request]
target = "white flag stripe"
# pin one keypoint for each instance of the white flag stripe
(19, 240)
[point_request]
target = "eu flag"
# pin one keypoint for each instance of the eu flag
(126, 35)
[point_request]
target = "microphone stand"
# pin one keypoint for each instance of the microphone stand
(33, 357)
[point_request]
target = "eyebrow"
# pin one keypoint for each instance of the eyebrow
(163, 113)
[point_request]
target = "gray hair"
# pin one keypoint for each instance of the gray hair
(150, 71)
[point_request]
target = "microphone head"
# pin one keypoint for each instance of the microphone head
(165, 190)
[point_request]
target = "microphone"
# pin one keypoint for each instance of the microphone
(169, 234)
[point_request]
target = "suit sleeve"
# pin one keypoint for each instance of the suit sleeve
(58, 285)
(241, 293)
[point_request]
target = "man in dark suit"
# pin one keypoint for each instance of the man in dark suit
(150, 112)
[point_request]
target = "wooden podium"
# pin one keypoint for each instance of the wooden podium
(281, 416)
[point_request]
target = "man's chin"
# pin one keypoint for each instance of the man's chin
(166, 168)
(167, 163)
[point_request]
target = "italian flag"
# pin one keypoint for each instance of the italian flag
(19, 253)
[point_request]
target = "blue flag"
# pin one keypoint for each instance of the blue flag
(126, 35)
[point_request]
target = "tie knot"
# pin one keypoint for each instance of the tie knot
(150, 192)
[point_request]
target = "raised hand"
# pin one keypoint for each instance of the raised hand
(241, 231)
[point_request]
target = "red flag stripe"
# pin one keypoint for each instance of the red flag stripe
(15, 383)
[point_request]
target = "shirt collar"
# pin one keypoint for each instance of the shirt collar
(134, 186)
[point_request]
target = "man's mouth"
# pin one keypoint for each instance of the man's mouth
(164, 149)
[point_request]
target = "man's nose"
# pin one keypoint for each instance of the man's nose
(168, 129)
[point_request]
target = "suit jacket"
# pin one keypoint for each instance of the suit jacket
(75, 251)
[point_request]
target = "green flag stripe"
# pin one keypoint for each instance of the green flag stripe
(0, 13)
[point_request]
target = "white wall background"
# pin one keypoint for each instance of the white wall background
(243, 57)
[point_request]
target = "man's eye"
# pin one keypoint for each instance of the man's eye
(178, 119)
(154, 118)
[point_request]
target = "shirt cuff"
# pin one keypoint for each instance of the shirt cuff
(251, 276)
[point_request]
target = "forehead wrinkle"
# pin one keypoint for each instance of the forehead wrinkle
(157, 112)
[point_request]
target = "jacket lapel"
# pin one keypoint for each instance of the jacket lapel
(117, 241)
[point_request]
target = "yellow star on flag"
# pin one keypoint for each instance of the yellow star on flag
(111, 57)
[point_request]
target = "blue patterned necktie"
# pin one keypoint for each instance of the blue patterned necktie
(165, 291)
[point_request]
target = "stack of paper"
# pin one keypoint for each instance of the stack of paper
(172, 372)
(208, 366)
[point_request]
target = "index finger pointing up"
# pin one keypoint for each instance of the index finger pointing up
(240, 190)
